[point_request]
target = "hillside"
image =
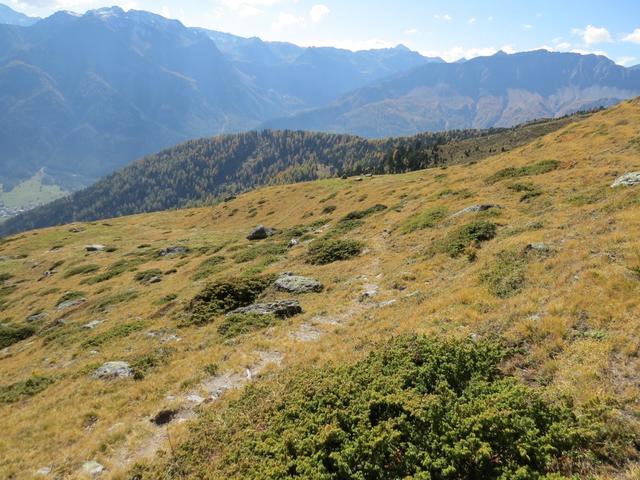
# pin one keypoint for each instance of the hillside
(497, 91)
(529, 312)
(203, 171)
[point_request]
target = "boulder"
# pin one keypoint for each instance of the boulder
(71, 303)
(288, 282)
(280, 308)
(627, 180)
(94, 248)
(260, 233)
(293, 242)
(476, 208)
(93, 324)
(538, 248)
(36, 317)
(173, 250)
(113, 370)
(154, 279)
(92, 468)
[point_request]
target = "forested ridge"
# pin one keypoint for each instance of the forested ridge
(208, 169)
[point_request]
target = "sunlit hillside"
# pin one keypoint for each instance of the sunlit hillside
(551, 271)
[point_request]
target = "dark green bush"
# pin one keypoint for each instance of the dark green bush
(224, 296)
(70, 295)
(142, 365)
(146, 275)
(119, 331)
(271, 250)
(115, 299)
(243, 323)
(506, 276)
(468, 235)
(209, 267)
(418, 409)
(81, 270)
(26, 388)
(539, 168)
(324, 251)
(10, 335)
(329, 209)
(427, 219)
(360, 214)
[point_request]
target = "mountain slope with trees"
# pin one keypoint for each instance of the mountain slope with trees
(205, 170)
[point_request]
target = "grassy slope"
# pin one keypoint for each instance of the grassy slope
(576, 317)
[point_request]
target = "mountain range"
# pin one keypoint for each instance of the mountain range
(73, 112)
(8, 16)
(501, 90)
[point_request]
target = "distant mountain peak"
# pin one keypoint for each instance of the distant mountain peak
(402, 47)
(114, 11)
(9, 16)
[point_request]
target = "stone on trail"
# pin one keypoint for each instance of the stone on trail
(92, 468)
(288, 282)
(627, 180)
(476, 208)
(280, 308)
(94, 248)
(113, 370)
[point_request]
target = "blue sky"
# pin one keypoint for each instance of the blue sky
(451, 29)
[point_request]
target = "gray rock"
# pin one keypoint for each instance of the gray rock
(538, 247)
(260, 233)
(43, 472)
(476, 208)
(71, 303)
(92, 468)
(113, 370)
(627, 180)
(173, 250)
(280, 308)
(293, 242)
(297, 284)
(36, 317)
(94, 248)
(154, 279)
(93, 324)
(370, 291)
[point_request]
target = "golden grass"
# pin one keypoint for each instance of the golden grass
(577, 318)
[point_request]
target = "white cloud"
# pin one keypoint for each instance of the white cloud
(318, 12)
(286, 20)
(527, 26)
(444, 18)
(489, 19)
(633, 36)
(626, 61)
(472, 20)
(592, 35)
(411, 31)
(246, 8)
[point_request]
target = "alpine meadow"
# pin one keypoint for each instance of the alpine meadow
(231, 256)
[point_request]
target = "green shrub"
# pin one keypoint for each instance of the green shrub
(539, 168)
(468, 235)
(418, 408)
(115, 300)
(324, 251)
(209, 267)
(115, 270)
(4, 276)
(224, 296)
(146, 275)
(528, 191)
(271, 250)
(142, 365)
(243, 323)
(26, 388)
(427, 219)
(119, 331)
(507, 275)
(211, 369)
(329, 209)
(71, 295)
(360, 214)
(81, 270)
(10, 335)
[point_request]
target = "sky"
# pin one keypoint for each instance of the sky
(450, 29)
